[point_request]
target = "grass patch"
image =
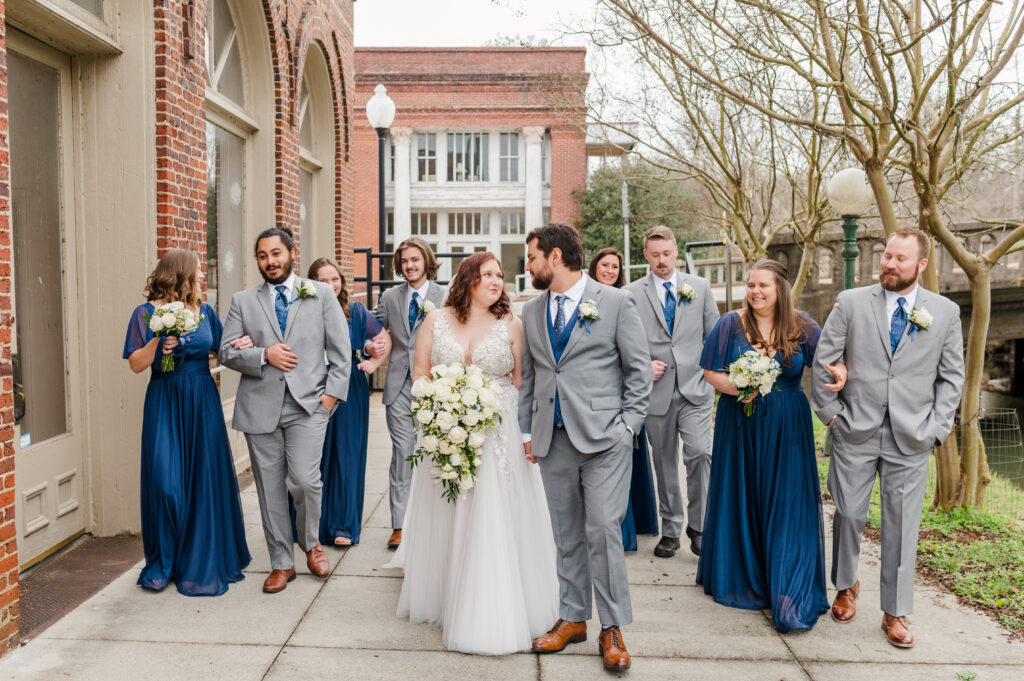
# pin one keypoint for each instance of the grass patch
(975, 554)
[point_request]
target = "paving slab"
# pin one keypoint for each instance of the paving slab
(369, 556)
(313, 664)
(913, 672)
(91, 660)
(563, 667)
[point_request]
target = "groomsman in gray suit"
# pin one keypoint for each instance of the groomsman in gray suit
(401, 310)
(903, 348)
(586, 384)
(277, 335)
(677, 311)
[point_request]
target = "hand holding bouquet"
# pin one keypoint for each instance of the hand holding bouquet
(453, 409)
(172, 319)
(753, 373)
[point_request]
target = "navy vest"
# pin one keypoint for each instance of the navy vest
(558, 344)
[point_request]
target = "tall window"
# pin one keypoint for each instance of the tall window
(545, 158)
(513, 223)
(317, 151)
(466, 223)
(509, 156)
(424, 223)
(426, 156)
(825, 266)
(467, 156)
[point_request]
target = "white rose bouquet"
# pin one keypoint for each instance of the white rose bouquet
(753, 373)
(172, 319)
(453, 408)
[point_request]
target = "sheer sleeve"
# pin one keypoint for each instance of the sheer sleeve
(138, 330)
(813, 332)
(372, 327)
(718, 346)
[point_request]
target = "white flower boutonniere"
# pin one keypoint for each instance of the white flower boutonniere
(686, 294)
(920, 318)
(426, 307)
(588, 313)
(305, 289)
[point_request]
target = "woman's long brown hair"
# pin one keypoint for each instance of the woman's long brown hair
(788, 329)
(468, 276)
(175, 278)
(314, 270)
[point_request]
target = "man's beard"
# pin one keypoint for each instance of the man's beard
(540, 281)
(286, 272)
(899, 285)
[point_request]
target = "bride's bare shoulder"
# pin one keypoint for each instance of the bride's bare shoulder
(515, 324)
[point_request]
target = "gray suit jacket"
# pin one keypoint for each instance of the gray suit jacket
(603, 378)
(681, 350)
(393, 312)
(315, 326)
(919, 383)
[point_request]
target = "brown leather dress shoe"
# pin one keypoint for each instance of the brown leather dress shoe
(613, 650)
(897, 630)
(316, 561)
(844, 607)
(561, 635)
(395, 539)
(277, 580)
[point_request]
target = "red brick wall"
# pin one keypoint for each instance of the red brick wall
(9, 606)
(473, 88)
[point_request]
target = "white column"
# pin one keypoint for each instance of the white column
(534, 208)
(402, 209)
(494, 232)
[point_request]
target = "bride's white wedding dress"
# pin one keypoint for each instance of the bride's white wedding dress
(483, 567)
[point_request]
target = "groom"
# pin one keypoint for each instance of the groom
(286, 396)
(586, 385)
(903, 348)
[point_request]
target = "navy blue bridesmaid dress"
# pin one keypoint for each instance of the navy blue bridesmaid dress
(763, 543)
(343, 467)
(192, 528)
(642, 510)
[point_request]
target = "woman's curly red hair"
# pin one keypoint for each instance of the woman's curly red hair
(467, 277)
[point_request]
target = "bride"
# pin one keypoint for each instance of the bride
(482, 567)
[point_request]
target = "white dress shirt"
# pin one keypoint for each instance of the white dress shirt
(572, 299)
(289, 289)
(661, 287)
(891, 303)
(422, 291)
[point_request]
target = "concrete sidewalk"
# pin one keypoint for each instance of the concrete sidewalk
(344, 627)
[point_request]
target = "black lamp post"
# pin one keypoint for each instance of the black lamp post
(380, 112)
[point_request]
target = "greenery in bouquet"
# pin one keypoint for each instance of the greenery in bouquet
(752, 374)
(453, 409)
(172, 319)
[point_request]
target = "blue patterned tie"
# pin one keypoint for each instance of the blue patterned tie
(281, 307)
(899, 323)
(670, 306)
(560, 315)
(414, 309)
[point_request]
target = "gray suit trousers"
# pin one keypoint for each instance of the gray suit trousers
(693, 423)
(291, 452)
(403, 441)
(903, 478)
(587, 496)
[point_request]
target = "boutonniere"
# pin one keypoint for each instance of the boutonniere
(588, 313)
(305, 289)
(426, 307)
(920, 318)
(686, 294)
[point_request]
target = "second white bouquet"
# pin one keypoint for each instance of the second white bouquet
(453, 409)
(753, 373)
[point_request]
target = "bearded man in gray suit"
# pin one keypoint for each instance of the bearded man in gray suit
(678, 311)
(277, 335)
(401, 310)
(903, 348)
(586, 384)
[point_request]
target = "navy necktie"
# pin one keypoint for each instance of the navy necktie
(899, 323)
(281, 307)
(414, 309)
(560, 315)
(670, 306)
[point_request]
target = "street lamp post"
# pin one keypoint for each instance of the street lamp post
(850, 195)
(380, 112)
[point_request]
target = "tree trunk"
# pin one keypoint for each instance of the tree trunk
(930, 278)
(948, 478)
(876, 178)
(973, 455)
(806, 267)
(984, 475)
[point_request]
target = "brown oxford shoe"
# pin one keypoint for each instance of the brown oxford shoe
(277, 580)
(561, 635)
(395, 539)
(897, 630)
(844, 607)
(613, 650)
(316, 561)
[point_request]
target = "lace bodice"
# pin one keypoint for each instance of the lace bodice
(493, 353)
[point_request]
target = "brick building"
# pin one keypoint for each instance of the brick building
(487, 143)
(128, 127)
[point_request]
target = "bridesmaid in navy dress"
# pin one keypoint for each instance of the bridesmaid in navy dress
(763, 542)
(192, 529)
(343, 467)
(642, 511)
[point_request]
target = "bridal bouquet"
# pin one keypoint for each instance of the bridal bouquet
(751, 374)
(172, 319)
(453, 409)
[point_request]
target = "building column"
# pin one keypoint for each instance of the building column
(401, 208)
(534, 208)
